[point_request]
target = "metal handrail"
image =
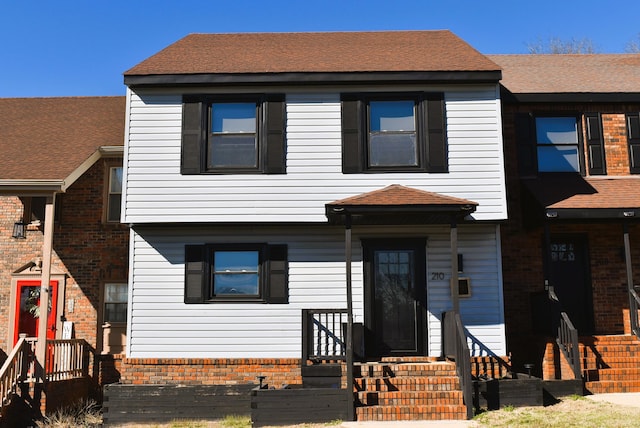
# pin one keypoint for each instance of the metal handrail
(323, 334)
(456, 347)
(633, 312)
(567, 337)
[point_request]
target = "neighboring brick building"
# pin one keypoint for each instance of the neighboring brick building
(572, 162)
(70, 148)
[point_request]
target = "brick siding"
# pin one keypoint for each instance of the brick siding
(88, 250)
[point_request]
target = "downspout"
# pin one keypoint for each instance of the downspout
(45, 286)
(349, 338)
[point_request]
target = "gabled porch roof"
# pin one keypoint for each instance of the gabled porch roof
(396, 204)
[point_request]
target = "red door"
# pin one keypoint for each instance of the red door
(28, 308)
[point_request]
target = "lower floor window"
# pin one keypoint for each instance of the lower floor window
(115, 302)
(236, 273)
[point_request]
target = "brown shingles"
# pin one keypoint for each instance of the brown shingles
(332, 52)
(396, 194)
(48, 138)
(597, 73)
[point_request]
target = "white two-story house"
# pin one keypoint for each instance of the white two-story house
(268, 174)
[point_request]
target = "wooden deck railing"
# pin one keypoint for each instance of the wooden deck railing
(456, 347)
(567, 335)
(68, 359)
(324, 334)
(18, 368)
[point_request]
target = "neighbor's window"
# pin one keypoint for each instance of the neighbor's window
(233, 140)
(557, 144)
(114, 197)
(115, 302)
(392, 134)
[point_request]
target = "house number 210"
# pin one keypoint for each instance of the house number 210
(437, 276)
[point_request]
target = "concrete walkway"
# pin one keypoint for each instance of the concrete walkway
(631, 399)
(410, 424)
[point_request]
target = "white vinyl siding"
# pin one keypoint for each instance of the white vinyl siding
(156, 192)
(161, 325)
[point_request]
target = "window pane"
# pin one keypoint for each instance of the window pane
(392, 116)
(558, 159)
(115, 180)
(233, 151)
(113, 213)
(115, 312)
(233, 117)
(236, 261)
(235, 283)
(393, 150)
(115, 293)
(557, 130)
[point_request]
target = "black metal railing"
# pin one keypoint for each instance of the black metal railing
(456, 348)
(324, 335)
(634, 306)
(566, 335)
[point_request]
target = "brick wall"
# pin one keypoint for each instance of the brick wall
(522, 243)
(225, 371)
(88, 250)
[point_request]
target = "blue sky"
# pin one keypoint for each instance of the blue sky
(60, 48)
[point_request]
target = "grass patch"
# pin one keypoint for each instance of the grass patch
(571, 412)
(84, 414)
(236, 421)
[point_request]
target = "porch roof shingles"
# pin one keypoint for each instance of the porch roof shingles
(48, 138)
(321, 52)
(557, 74)
(585, 193)
(401, 204)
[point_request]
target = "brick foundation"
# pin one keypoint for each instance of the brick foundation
(222, 371)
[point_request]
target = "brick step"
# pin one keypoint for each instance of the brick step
(411, 413)
(404, 370)
(609, 363)
(421, 359)
(439, 383)
(604, 387)
(414, 398)
(612, 374)
(617, 338)
(610, 349)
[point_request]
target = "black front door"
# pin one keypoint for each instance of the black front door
(570, 278)
(395, 297)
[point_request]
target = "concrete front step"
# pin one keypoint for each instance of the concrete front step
(439, 383)
(415, 398)
(411, 413)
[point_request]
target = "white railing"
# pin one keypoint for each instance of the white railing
(18, 368)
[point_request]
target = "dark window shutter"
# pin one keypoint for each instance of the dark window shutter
(595, 144)
(278, 282)
(437, 156)
(352, 135)
(194, 278)
(193, 136)
(274, 140)
(526, 144)
(633, 138)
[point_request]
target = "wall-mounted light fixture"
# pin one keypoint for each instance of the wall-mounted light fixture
(19, 230)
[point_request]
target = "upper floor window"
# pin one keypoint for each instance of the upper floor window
(226, 134)
(394, 133)
(557, 144)
(233, 136)
(114, 194)
(633, 141)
